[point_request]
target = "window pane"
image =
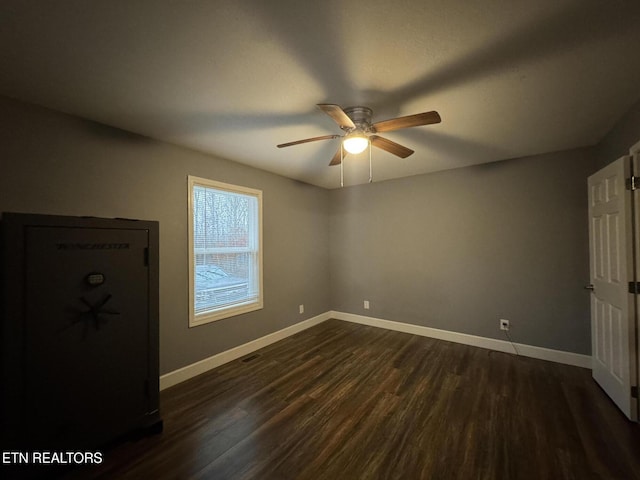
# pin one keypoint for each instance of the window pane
(221, 219)
(223, 279)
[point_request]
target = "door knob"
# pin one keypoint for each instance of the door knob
(589, 287)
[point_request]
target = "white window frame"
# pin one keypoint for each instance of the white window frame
(232, 310)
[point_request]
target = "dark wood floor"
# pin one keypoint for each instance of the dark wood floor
(346, 401)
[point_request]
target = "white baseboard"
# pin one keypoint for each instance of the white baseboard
(185, 373)
(541, 353)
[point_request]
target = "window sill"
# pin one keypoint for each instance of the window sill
(202, 319)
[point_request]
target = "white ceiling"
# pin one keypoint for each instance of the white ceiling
(235, 78)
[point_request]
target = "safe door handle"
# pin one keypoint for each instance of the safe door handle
(589, 287)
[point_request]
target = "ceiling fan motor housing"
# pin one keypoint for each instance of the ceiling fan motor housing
(361, 116)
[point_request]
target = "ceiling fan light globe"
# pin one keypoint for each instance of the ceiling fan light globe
(355, 144)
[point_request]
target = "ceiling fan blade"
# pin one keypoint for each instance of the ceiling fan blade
(338, 115)
(337, 158)
(426, 118)
(389, 146)
(307, 140)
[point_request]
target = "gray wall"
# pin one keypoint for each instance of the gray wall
(624, 134)
(455, 250)
(57, 164)
(460, 249)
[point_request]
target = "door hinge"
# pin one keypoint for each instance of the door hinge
(632, 183)
(146, 257)
(634, 287)
(634, 392)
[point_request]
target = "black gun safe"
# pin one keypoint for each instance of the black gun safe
(79, 316)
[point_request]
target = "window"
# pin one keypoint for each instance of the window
(225, 250)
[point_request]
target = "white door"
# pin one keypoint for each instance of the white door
(611, 270)
(635, 162)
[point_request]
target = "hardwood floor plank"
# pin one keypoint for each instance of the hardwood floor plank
(347, 401)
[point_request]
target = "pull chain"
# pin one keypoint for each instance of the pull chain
(370, 167)
(341, 165)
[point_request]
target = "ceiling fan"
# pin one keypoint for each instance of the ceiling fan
(360, 132)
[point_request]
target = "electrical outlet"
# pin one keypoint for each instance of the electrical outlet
(504, 324)
(301, 308)
(366, 304)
